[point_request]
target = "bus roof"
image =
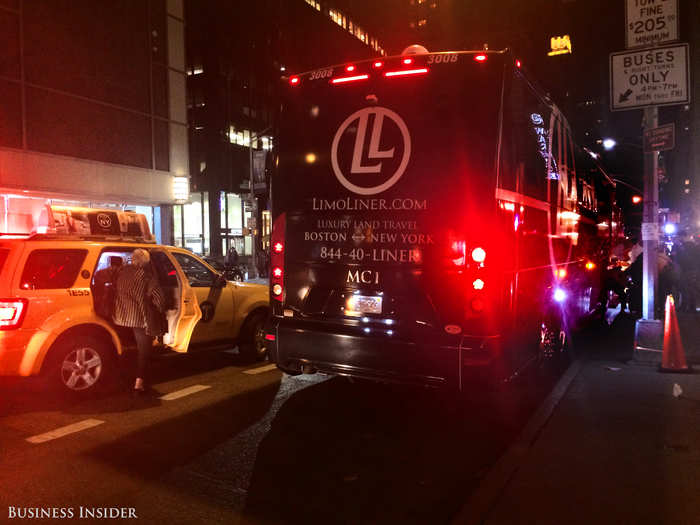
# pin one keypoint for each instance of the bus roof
(383, 63)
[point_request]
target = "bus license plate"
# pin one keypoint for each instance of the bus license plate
(363, 304)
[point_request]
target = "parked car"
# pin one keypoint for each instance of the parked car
(236, 272)
(49, 323)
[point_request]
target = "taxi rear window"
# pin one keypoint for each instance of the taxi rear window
(51, 269)
(3, 257)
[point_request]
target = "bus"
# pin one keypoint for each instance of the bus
(432, 218)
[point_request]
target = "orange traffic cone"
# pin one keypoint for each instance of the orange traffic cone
(673, 357)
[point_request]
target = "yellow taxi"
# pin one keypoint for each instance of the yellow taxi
(51, 286)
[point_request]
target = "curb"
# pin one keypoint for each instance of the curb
(479, 505)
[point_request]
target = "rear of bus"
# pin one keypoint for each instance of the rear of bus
(385, 249)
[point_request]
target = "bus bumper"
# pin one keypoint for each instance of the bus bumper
(301, 348)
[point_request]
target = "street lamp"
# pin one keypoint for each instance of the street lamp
(609, 144)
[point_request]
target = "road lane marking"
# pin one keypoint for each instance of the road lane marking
(64, 431)
(260, 369)
(184, 392)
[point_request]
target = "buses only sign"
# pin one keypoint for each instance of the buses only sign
(650, 77)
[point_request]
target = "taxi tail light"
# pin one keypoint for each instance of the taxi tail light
(277, 258)
(12, 312)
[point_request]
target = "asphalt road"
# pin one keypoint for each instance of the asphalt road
(221, 441)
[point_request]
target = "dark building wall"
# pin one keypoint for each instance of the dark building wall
(94, 76)
(240, 48)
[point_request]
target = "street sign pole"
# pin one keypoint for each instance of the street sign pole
(651, 213)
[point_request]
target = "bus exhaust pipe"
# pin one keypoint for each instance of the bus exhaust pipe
(307, 368)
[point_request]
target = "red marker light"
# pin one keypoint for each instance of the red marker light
(478, 284)
(277, 272)
(518, 64)
(378, 64)
(270, 337)
(341, 80)
(278, 247)
(408, 61)
(405, 72)
(350, 69)
(636, 199)
(480, 58)
(294, 81)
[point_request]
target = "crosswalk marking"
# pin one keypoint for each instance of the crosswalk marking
(260, 369)
(184, 392)
(64, 431)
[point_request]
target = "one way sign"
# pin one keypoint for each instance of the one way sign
(651, 77)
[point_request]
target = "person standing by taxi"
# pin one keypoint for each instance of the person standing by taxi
(139, 304)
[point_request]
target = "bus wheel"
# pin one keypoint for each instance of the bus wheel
(553, 344)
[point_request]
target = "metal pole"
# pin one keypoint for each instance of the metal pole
(651, 219)
(253, 202)
(253, 199)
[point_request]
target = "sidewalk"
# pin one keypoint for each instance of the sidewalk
(612, 445)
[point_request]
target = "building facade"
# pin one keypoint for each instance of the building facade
(93, 104)
(237, 53)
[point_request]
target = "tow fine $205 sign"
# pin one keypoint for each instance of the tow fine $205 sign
(651, 77)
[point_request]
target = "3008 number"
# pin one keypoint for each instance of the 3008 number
(321, 73)
(444, 59)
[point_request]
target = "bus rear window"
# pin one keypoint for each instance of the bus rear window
(51, 269)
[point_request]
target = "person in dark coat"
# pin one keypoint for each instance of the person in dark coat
(231, 257)
(139, 304)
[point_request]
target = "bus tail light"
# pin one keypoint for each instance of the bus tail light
(343, 80)
(480, 58)
(459, 253)
(277, 257)
(479, 255)
(294, 81)
(406, 72)
(12, 312)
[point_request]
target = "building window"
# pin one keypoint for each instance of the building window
(191, 224)
(195, 70)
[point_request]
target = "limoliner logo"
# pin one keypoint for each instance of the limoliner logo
(382, 166)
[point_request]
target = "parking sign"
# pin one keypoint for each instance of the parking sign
(649, 77)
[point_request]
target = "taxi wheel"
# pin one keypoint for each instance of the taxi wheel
(252, 346)
(83, 365)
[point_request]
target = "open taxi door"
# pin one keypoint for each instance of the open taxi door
(187, 318)
(185, 312)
